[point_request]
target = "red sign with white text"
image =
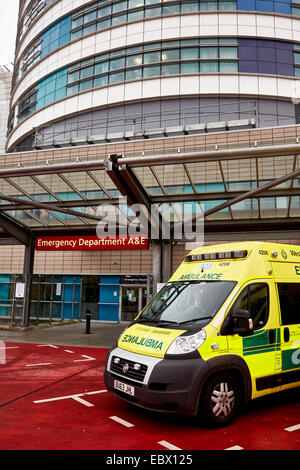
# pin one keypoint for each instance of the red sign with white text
(91, 242)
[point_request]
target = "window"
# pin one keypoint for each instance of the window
(189, 53)
(134, 74)
(73, 76)
(189, 67)
(229, 66)
(170, 54)
(86, 85)
(170, 69)
(228, 52)
(136, 15)
(119, 6)
(101, 81)
(87, 72)
(150, 57)
(208, 53)
(255, 299)
(289, 300)
(152, 71)
(117, 63)
(101, 68)
(136, 59)
(116, 77)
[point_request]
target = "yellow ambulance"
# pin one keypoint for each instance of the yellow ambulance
(224, 330)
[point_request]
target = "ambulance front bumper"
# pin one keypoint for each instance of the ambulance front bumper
(167, 385)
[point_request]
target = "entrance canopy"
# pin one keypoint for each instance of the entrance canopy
(254, 188)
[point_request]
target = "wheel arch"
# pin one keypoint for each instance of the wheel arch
(233, 364)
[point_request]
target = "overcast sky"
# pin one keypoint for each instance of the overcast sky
(8, 29)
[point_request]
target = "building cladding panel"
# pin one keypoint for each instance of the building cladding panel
(5, 87)
(99, 61)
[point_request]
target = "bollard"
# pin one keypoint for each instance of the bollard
(88, 322)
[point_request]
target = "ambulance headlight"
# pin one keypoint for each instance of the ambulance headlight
(187, 344)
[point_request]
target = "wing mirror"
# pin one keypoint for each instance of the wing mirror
(242, 323)
(238, 322)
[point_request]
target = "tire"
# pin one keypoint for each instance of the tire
(220, 400)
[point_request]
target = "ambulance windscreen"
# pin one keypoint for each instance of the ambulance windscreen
(185, 302)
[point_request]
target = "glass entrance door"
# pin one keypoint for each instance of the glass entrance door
(134, 299)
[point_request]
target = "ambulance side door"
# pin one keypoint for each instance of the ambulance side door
(260, 349)
(289, 302)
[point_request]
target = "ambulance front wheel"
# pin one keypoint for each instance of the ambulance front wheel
(220, 400)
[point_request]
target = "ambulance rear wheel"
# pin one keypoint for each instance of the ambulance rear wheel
(220, 400)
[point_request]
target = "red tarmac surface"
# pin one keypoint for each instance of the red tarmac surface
(54, 397)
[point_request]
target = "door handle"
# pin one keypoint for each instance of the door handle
(271, 336)
(286, 334)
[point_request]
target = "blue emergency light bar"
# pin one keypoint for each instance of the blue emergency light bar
(220, 255)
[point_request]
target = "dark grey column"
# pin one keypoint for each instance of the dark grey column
(27, 273)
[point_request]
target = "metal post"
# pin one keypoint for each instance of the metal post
(167, 260)
(88, 322)
(27, 271)
(157, 263)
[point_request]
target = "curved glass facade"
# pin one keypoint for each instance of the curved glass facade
(164, 58)
(104, 14)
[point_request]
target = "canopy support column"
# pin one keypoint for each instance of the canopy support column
(27, 273)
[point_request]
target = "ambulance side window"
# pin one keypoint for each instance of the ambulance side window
(254, 298)
(289, 299)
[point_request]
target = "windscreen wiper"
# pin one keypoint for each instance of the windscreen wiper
(151, 320)
(147, 320)
(194, 320)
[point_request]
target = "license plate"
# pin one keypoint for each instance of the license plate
(125, 388)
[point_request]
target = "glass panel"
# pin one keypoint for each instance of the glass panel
(189, 53)
(134, 74)
(150, 12)
(119, 6)
(104, 11)
(73, 76)
(228, 66)
(92, 15)
(87, 72)
(90, 295)
(73, 89)
(77, 21)
(227, 5)
(116, 77)
(134, 60)
(152, 71)
(189, 6)
(189, 67)
(104, 23)
(117, 63)
(135, 3)
(101, 68)
(208, 52)
(183, 302)
(228, 52)
(90, 28)
(135, 15)
(101, 81)
(171, 9)
(86, 85)
(130, 303)
(172, 54)
(295, 206)
(150, 57)
(148, 181)
(209, 67)
(297, 71)
(170, 69)
(118, 19)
